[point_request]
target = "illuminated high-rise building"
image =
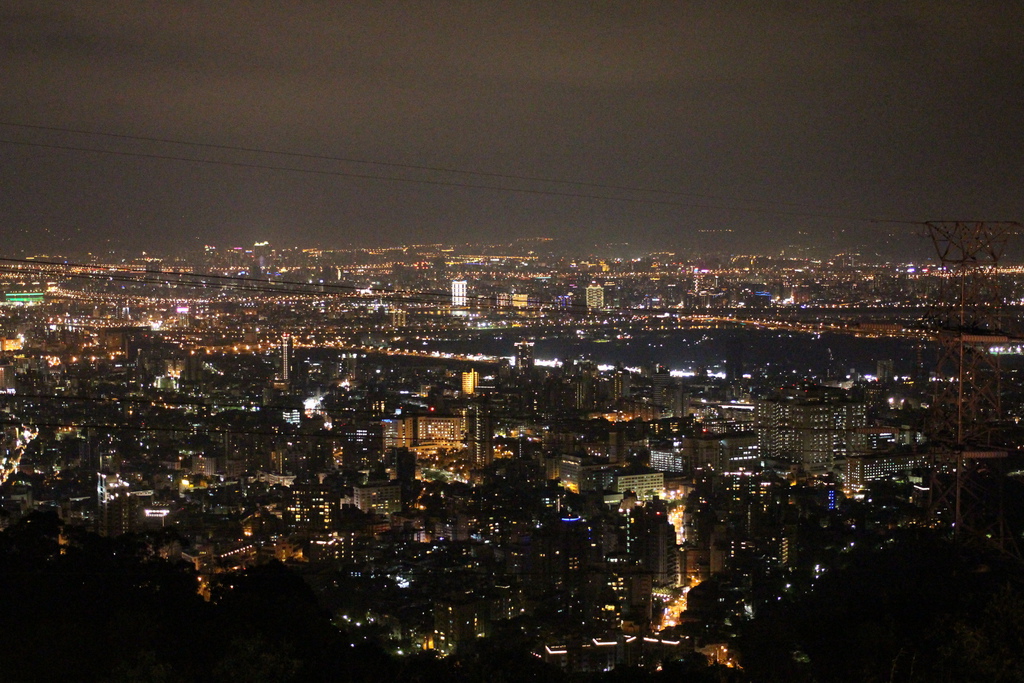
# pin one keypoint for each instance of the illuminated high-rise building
(120, 508)
(424, 431)
(595, 296)
(459, 619)
(469, 382)
(286, 357)
(524, 355)
(666, 392)
(622, 382)
(378, 497)
(7, 385)
(459, 297)
(650, 538)
(397, 317)
(884, 372)
(311, 507)
(479, 435)
(813, 426)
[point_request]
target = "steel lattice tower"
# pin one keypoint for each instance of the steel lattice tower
(967, 478)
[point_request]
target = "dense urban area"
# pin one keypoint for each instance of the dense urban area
(492, 462)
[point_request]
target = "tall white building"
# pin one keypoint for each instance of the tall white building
(381, 497)
(647, 485)
(595, 296)
(459, 296)
(286, 357)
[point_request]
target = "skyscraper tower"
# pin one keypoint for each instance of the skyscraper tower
(479, 435)
(286, 358)
(470, 380)
(595, 297)
(459, 297)
(119, 509)
(524, 355)
(621, 383)
(734, 360)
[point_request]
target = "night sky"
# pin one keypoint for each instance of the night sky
(784, 122)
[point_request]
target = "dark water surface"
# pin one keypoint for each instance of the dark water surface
(696, 349)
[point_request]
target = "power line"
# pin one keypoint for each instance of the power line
(436, 169)
(447, 183)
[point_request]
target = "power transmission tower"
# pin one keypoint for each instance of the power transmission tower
(967, 478)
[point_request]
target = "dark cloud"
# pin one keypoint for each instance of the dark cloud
(866, 108)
